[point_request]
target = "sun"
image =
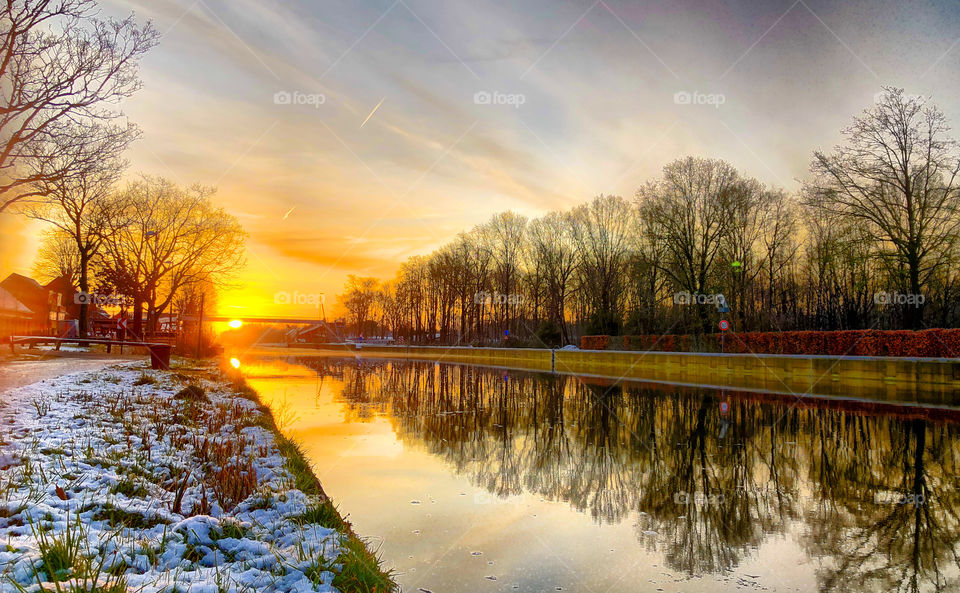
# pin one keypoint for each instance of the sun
(235, 324)
(235, 363)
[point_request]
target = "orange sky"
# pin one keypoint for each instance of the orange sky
(326, 189)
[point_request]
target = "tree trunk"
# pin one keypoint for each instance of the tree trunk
(137, 317)
(914, 311)
(85, 288)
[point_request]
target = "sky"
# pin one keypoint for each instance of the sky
(349, 136)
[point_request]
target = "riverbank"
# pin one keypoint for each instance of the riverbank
(126, 478)
(911, 381)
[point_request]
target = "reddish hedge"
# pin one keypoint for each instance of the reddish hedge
(937, 343)
(594, 342)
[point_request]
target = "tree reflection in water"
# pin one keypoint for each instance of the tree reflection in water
(872, 497)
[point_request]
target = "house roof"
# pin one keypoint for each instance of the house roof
(62, 285)
(11, 307)
(26, 290)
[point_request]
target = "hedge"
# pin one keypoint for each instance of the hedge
(936, 343)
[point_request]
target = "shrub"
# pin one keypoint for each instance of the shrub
(549, 334)
(594, 342)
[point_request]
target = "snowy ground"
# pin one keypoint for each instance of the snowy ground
(108, 477)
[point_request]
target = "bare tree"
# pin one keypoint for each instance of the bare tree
(603, 231)
(506, 234)
(57, 257)
(552, 245)
(689, 210)
(63, 71)
(896, 174)
(360, 299)
(81, 206)
(167, 238)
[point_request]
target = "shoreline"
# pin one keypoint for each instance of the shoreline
(130, 479)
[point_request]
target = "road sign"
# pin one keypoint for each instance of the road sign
(122, 323)
(724, 325)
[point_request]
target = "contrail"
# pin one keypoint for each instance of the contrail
(372, 112)
(288, 213)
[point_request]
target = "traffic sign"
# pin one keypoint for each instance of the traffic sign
(724, 325)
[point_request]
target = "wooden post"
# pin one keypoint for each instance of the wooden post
(200, 324)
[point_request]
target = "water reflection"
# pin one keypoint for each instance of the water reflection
(869, 494)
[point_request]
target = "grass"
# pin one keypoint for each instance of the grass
(64, 557)
(324, 514)
(116, 517)
(60, 555)
(229, 529)
(130, 488)
(361, 570)
(145, 379)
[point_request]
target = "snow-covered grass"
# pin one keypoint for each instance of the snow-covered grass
(135, 480)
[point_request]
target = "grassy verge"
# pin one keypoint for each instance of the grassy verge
(360, 570)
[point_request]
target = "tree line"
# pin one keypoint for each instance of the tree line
(148, 242)
(869, 241)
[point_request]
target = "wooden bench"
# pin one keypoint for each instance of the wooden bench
(159, 352)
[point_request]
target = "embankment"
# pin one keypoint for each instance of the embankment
(924, 381)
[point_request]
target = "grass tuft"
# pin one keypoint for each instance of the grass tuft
(145, 379)
(193, 393)
(117, 517)
(61, 554)
(130, 488)
(361, 570)
(324, 514)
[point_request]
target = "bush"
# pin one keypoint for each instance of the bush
(594, 342)
(604, 323)
(549, 334)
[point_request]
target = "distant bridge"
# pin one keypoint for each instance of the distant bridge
(264, 320)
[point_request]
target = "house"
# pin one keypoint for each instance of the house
(318, 333)
(66, 295)
(46, 306)
(15, 317)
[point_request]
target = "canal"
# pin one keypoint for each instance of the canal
(473, 479)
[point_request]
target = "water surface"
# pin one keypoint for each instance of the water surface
(477, 479)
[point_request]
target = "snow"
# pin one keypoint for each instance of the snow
(118, 446)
